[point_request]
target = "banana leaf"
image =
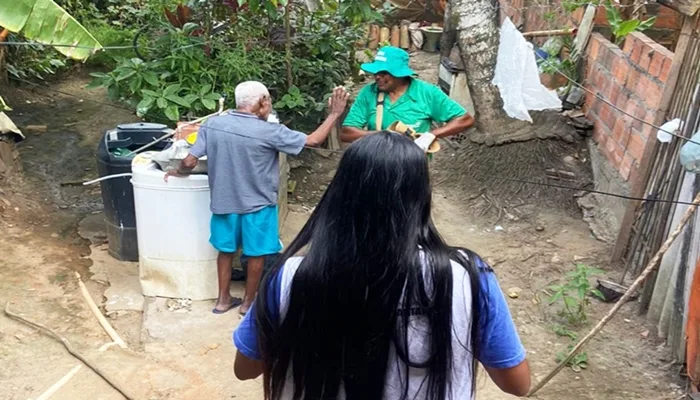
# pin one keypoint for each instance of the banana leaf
(46, 22)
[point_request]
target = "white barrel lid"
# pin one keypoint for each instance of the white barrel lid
(146, 173)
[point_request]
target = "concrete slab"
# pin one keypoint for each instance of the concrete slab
(93, 228)
(124, 292)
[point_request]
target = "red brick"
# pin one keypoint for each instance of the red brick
(646, 131)
(667, 19)
(602, 53)
(628, 46)
(600, 135)
(620, 70)
(665, 70)
(600, 16)
(630, 109)
(632, 79)
(635, 146)
(621, 132)
(588, 104)
(607, 118)
(614, 92)
(636, 52)
(597, 105)
(614, 152)
(614, 54)
(642, 87)
(594, 47)
(626, 166)
(641, 113)
(645, 57)
(623, 99)
(652, 94)
(603, 113)
(657, 62)
(649, 91)
(649, 116)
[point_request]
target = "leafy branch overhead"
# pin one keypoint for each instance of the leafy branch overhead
(46, 22)
(189, 57)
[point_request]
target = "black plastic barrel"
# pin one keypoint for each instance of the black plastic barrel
(117, 193)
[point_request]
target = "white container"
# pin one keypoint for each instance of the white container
(172, 223)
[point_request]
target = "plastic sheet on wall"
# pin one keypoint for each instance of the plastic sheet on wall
(517, 76)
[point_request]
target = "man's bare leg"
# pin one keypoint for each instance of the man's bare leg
(224, 263)
(255, 271)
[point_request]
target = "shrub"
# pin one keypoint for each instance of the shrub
(183, 60)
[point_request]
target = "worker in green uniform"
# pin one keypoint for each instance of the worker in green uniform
(400, 97)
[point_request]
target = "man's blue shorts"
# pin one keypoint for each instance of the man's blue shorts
(257, 233)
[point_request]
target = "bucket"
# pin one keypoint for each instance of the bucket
(432, 35)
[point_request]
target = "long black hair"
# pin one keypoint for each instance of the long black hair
(374, 260)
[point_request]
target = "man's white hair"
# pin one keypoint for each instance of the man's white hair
(249, 93)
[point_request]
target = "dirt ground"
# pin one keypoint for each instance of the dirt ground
(40, 249)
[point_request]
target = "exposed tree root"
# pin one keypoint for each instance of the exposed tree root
(484, 171)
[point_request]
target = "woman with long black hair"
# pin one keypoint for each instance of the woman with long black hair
(379, 306)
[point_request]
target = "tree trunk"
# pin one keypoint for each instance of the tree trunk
(474, 24)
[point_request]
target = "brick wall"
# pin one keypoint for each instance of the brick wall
(633, 78)
(535, 16)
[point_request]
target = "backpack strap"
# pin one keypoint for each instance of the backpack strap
(380, 111)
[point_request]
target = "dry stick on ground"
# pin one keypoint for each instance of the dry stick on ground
(635, 285)
(100, 318)
(58, 385)
(70, 349)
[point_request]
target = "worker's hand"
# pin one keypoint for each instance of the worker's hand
(338, 101)
(173, 172)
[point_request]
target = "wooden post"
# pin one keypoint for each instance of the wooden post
(395, 35)
(373, 37)
(405, 39)
(639, 185)
(384, 35)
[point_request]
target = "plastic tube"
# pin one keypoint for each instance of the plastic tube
(104, 178)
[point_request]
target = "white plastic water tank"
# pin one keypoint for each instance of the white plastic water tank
(172, 224)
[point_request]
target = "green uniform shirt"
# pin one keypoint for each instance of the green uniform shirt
(421, 105)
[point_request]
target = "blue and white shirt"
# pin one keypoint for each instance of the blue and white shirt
(500, 345)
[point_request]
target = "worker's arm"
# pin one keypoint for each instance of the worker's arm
(246, 368)
(184, 168)
(198, 150)
(350, 134)
(499, 348)
(455, 126)
(337, 103)
(453, 117)
(515, 380)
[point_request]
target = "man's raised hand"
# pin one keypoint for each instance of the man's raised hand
(338, 100)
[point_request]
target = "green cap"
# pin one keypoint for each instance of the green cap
(392, 60)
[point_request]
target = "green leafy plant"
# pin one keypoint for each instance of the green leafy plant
(294, 99)
(32, 61)
(180, 51)
(166, 98)
(621, 27)
(564, 332)
(577, 363)
(575, 294)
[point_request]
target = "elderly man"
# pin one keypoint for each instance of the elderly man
(242, 150)
(399, 96)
